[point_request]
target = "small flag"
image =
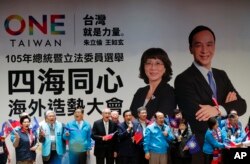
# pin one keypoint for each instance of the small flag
(14, 123)
(173, 122)
(2, 131)
(216, 157)
(109, 136)
(35, 125)
(166, 120)
(138, 136)
(230, 144)
(8, 128)
(245, 137)
(193, 145)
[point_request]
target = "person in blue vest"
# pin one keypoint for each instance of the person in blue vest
(157, 139)
(51, 137)
(213, 140)
(232, 132)
(78, 133)
(25, 142)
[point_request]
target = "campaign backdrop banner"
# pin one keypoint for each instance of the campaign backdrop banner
(58, 54)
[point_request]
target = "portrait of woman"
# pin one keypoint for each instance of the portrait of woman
(155, 69)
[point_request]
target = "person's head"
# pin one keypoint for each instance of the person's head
(25, 122)
(155, 65)
(212, 123)
(202, 45)
(235, 113)
(127, 115)
(115, 116)
(182, 124)
(78, 113)
(232, 118)
(23, 115)
(50, 116)
(142, 113)
(159, 118)
(178, 114)
(106, 114)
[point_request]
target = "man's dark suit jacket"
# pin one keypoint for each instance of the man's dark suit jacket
(192, 89)
(126, 146)
(163, 100)
(103, 147)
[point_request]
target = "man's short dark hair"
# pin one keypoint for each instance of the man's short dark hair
(197, 30)
(126, 111)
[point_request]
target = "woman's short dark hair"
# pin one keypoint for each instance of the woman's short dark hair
(23, 118)
(156, 53)
(176, 111)
(211, 122)
(197, 30)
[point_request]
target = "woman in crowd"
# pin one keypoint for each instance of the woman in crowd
(25, 142)
(158, 95)
(213, 141)
(182, 132)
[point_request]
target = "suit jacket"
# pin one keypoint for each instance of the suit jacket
(104, 147)
(163, 100)
(126, 146)
(192, 89)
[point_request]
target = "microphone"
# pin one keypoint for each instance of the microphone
(163, 128)
(130, 124)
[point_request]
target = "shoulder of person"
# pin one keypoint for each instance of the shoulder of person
(165, 86)
(86, 122)
(186, 71)
(142, 90)
(58, 122)
(219, 71)
(98, 121)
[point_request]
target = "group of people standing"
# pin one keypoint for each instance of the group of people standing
(203, 95)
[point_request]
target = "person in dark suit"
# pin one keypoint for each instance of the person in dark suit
(126, 146)
(158, 95)
(104, 134)
(141, 124)
(197, 92)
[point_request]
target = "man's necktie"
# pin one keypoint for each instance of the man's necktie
(212, 83)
